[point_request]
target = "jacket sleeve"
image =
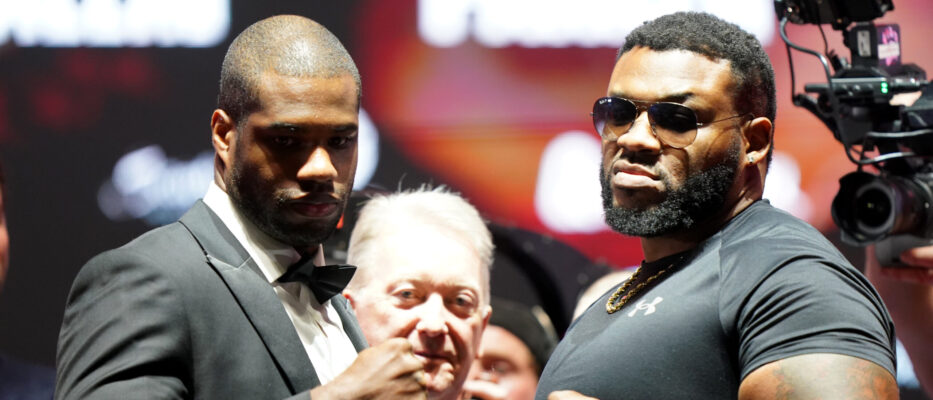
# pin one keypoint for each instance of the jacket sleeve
(124, 332)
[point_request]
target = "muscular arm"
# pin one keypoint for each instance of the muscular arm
(815, 328)
(819, 376)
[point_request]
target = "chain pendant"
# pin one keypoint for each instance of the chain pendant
(612, 306)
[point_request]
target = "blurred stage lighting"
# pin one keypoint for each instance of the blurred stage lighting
(114, 23)
(561, 23)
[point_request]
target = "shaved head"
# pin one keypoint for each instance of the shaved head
(288, 45)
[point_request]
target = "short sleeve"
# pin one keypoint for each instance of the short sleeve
(811, 305)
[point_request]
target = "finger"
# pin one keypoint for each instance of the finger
(410, 386)
(420, 378)
(918, 257)
(403, 355)
(561, 394)
(568, 395)
(411, 360)
(401, 345)
(414, 362)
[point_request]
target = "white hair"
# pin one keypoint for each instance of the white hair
(436, 207)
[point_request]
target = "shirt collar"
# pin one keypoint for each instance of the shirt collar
(272, 256)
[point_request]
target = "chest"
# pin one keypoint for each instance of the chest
(669, 341)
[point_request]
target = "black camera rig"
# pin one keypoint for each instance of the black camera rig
(890, 195)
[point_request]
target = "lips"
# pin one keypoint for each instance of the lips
(428, 357)
(315, 206)
(631, 176)
(314, 210)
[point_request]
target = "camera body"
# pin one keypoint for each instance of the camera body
(894, 140)
(839, 13)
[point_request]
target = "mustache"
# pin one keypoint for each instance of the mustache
(639, 157)
(313, 192)
(649, 161)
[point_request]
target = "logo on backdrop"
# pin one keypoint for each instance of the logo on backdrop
(114, 23)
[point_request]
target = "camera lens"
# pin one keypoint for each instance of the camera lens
(873, 207)
(869, 208)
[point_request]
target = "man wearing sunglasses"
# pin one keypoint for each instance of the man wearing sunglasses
(734, 298)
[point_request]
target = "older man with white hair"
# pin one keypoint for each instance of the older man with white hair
(423, 261)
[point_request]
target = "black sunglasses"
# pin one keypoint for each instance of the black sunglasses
(673, 124)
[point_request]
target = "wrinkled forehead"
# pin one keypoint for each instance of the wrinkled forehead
(435, 256)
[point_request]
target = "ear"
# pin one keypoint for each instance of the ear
(223, 137)
(758, 135)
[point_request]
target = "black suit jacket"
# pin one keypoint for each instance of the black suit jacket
(182, 312)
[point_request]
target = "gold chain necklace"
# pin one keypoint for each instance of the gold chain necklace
(611, 305)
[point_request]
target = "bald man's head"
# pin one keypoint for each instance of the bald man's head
(289, 45)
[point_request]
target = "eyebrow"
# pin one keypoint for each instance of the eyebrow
(286, 126)
(299, 128)
(446, 284)
(669, 98)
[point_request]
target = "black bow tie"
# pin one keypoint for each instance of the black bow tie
(325, 281)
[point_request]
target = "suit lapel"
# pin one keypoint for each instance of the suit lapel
(255, 296)
(350, 325)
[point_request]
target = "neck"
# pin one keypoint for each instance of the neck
(315, 252)
(658, 247)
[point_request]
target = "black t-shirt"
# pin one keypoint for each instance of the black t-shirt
(766, 287)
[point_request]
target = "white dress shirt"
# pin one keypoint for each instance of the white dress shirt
(319, 326)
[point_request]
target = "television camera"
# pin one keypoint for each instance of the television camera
(889, 198)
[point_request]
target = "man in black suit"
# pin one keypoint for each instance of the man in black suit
(215, 305)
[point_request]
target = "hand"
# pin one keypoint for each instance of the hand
(920, 259)
(387, 371)
(568, 395)
(483, 390)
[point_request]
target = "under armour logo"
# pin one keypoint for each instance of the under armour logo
(648, 307)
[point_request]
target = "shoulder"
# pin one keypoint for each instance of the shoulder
(162, 247)
(763, 224)
(765, 249)
(763, 238)
(20, 380)
(785, 290)
(162, 263)
(165, 241)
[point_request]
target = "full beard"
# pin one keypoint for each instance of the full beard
(701, 196)
(268, 212)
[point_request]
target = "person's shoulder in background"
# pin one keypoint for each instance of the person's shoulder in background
(24, 381)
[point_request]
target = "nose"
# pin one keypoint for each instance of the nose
(640, 136)
(431, 318)
(318, 167)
